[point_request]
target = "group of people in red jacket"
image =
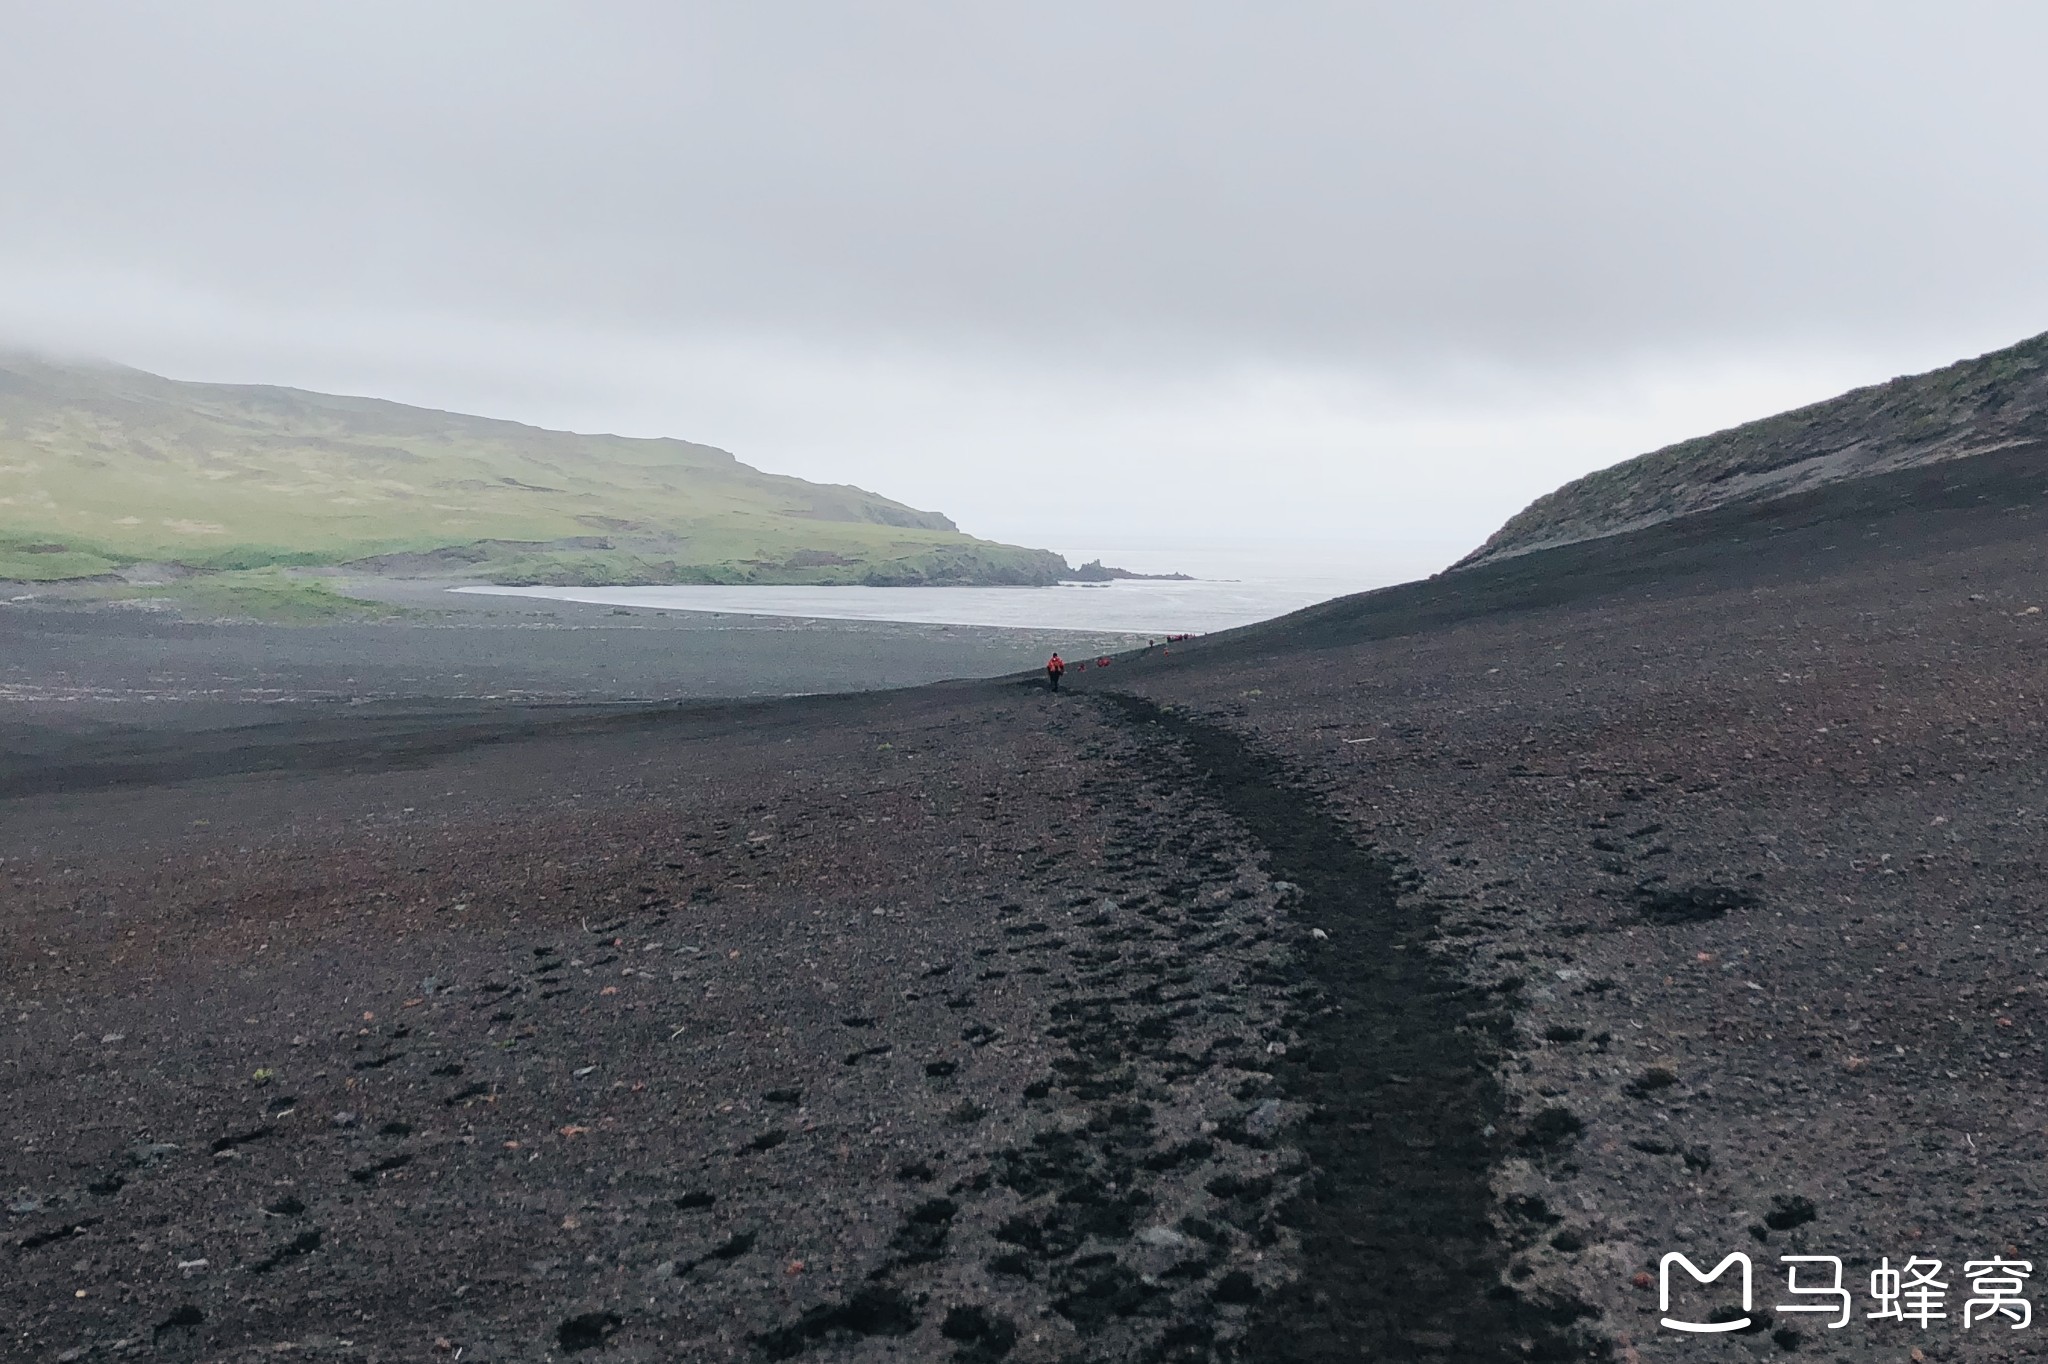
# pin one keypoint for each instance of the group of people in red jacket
(1056, 667)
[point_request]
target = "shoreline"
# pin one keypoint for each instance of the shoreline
(1139, 608)
(94, 658)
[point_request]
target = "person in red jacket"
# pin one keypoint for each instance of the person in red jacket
(1055, 667)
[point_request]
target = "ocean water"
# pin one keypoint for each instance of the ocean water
(1234, 585)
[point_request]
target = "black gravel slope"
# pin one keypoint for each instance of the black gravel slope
(1680, 893)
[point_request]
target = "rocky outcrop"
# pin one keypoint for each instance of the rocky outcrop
(1972, 407)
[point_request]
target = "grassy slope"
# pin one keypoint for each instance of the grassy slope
(102, 466)
(1995, 401)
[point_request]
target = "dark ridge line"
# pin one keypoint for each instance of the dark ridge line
(1400, 1256)
(1984, 402)
(1743, 543)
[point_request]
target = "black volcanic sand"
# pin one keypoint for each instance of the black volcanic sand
(152, 693)
(104, 661)
(815, 1034)
(1397, 982)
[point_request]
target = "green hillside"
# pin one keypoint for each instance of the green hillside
(104, 468)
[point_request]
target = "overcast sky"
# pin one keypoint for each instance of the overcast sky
(1076, 274)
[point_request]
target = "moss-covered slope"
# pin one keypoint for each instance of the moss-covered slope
(103, 467)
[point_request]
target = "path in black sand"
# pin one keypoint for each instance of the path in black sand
(1094, 1103)
(1399, 1254)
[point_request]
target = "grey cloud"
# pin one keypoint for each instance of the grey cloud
(1306, 178)
(1164, 192)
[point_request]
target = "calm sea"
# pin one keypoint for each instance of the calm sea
(1232, 586)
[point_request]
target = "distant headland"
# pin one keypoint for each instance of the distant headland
(113, 476)
(1095, 571)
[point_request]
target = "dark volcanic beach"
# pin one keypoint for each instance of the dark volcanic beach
(154, 690)
(1396, 981)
